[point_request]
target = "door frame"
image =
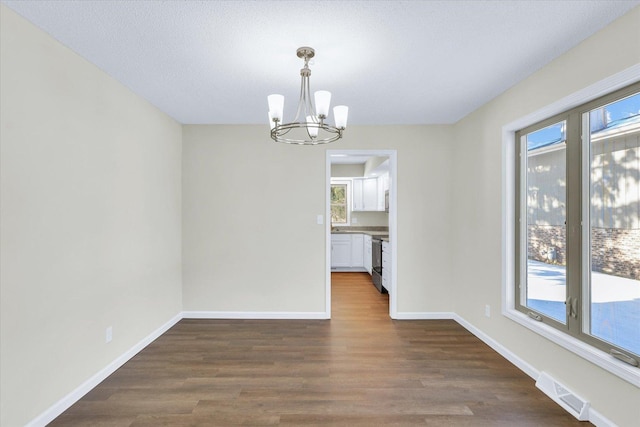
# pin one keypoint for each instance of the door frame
(393, 224)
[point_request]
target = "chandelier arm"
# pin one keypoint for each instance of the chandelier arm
(326, 134)
(305, 99)
(280, 131)
(311, 112)
(300, 101)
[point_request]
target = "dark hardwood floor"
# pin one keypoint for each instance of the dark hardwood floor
(359, 369)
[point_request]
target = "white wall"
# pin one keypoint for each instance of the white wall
(477, 212)
(346, 171)
(250, 238)
(369, 219)
(89, 220)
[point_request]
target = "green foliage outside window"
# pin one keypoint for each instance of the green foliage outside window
(338, 203)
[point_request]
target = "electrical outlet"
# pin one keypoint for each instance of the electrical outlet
(354, 220)
(487, 310)
(109, 334)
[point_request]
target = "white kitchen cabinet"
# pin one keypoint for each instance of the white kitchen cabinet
(386, 266)
(367, 253)
(370, 194)
(347, 251)
(340, 250)
(357, 195)
(357, 250)
(366, 195)
(383, 181)
(383, 186)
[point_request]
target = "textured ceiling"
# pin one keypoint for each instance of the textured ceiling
(391, 62)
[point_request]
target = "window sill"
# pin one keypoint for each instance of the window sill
(592, 354)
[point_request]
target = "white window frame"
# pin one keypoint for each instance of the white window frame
(348, 182)
(598, 357)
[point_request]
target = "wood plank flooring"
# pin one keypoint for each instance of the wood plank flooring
(359, 369)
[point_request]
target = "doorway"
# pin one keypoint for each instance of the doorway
(343, 156)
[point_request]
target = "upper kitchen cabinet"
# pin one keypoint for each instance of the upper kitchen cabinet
(357, 194)
(368, 193)
(364, 196)
(383, 182)
(383, 187)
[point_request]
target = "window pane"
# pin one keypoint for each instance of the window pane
(338, 214)
(339, 204)
(339, 194)
(614, 247)
(546, 216)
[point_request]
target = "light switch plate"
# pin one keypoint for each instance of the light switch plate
(320, 219)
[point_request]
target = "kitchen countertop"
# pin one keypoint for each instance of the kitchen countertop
(381, 232)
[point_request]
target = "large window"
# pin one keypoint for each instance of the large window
(578, 223)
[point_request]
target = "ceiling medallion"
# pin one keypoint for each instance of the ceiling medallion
(308, 127)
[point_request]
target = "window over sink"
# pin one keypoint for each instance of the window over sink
(340, 197)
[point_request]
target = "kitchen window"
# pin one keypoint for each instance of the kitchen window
(577, 223)
(340, 202)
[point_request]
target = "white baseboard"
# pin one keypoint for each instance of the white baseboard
(63, 404)
(320, 315)
(349, 270)
(599, 420)
(435, 315)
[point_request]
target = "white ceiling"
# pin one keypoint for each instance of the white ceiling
(391, 62)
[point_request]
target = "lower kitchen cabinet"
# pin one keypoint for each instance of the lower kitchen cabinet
(357, 250)
(347, 251)
(340, 250)
(367, 253)
(386, 266)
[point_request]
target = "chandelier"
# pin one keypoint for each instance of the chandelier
(308, 127)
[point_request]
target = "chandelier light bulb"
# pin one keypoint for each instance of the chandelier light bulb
(276, 106)
(340, 113)
(323, 99)
(272, 124)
